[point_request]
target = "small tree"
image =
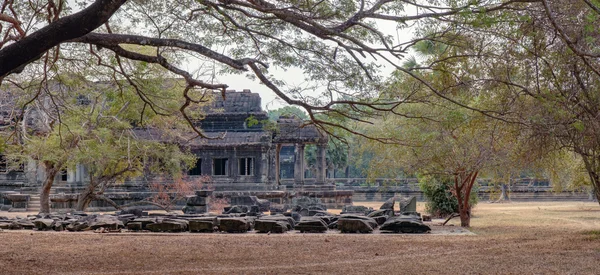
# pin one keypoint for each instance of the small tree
(167, 193)
(440, 200)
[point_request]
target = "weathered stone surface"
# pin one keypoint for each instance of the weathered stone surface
(43, 224)
(16, 197)
(326, 219)
(319, 213)
(25, 224)
(262, 204)
(272, 226)
(126, 218)
(197, 201)
(145, 222)
(333, 225)
(5, 225)
(133, 211)
(78, 226)
(356, 209)
(189, 209)
(134, 226)
(370, 221)
(352, 225)
(389, 204)
(380, 219)
(308, 202)
(289, 220)
(405, 224)
(311, 225)
(236, 209)
(105, 221)
(206, 224)
(234, 225)
(168, 225)
(278, 208)
(60, 225)
(295, 215)
(10, 224)
(381, 212)
(408, 204)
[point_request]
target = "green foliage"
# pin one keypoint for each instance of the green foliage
(287, 111)
(440, 201)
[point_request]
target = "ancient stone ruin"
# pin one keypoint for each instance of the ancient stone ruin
(307, 216)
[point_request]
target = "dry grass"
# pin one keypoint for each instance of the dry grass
(557, 237)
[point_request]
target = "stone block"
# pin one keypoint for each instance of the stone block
(145, 222)
(405, 224)
(197, 201)
(134, 226)
(356, 209)
(389, 204)
(43, 224)
(368, 220)
(168, 225)
(408, 204)
(311, 225)
(271, 226)
(203, 224)
(352, 225)
(234, 225)
(188, 209)
(105, 221)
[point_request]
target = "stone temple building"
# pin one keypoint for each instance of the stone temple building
(240, 152)
(244, 158)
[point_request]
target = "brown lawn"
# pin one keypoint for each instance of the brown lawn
(511, 238)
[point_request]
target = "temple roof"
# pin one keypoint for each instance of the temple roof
(216, 139)
(294, 130)
(236, 103)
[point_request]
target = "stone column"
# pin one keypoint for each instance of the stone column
(264, 165)
(321, 163)
(299, 164)
(277, 164)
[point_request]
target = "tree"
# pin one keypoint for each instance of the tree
(440, 201)
(94, 128)
(447, 142)
(540, 58)
(438, 138)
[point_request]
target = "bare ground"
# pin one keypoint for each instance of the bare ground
(510, 238)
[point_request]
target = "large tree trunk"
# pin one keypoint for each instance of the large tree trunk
(51, 171)
(465, 216)
(85, 197)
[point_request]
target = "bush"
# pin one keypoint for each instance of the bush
(440, 201)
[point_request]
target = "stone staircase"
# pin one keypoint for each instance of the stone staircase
(34, 203)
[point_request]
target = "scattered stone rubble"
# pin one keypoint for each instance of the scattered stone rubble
(308, 216)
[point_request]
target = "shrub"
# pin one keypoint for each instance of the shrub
(440, 201)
